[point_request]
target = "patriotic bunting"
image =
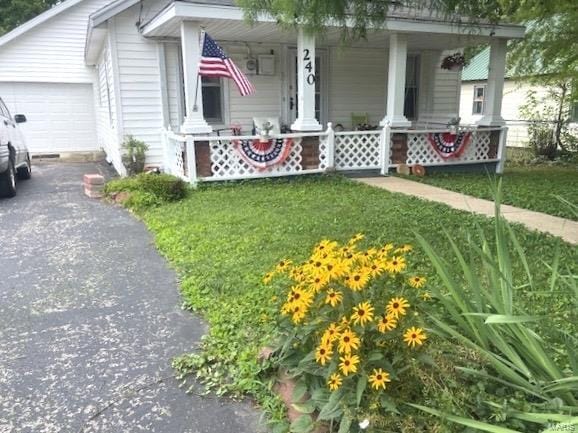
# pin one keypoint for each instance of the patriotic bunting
(449, 145)
(263, 154)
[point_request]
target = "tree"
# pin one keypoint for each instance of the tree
(16, 12)
(550, 117)
(549, 52)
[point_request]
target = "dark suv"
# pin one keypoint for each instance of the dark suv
(14, 156)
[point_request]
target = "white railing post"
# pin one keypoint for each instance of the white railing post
(502, 150)
(330, 147)
(384, 145)
(191, 159)
(167, 164)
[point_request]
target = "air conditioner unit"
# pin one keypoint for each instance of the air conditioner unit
(266, 64)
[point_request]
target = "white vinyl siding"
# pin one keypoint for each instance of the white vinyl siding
(446, 94)
(174, 85)
(267, 101)
(138, 75)
(107, 119)
(53, 51)
(357, 84)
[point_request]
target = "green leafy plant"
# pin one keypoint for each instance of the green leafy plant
(484, 315)
(147, 189)
(134, 155)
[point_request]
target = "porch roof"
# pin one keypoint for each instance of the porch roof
(226, 22)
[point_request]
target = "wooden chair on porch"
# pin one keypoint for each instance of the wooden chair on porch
(359, 119)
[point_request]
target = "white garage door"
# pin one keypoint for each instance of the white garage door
(60, 116)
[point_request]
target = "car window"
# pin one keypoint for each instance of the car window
(4, 110)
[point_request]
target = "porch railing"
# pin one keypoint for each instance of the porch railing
(214, 158)
(175, 154)
(480, 148)
(358, 150)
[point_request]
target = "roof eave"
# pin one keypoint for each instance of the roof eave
(36, 21)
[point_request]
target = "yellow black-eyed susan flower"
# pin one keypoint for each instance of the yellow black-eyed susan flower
(283, 265)
(414, 336)
(348, 364)
(386, 323)
(396, 265)
(397, 307)
(379, 378)
(357, 280)
(268, 277)
(323, 354)
(331, 334)
(334, 381)
(417, 282)
(348, 341)
(362, 313)
(334, 297)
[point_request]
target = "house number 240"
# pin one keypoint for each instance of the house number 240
(310, 74)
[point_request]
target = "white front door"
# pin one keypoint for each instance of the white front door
(320, 86)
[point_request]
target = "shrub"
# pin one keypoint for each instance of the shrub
(148, 190)
(351, 331)
(134, 155)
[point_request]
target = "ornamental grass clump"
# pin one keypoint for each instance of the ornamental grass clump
(351, 328)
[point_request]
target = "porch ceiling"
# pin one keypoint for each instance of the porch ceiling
(270, 33)
(227, 23)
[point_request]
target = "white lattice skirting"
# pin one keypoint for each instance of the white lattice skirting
(357, 150)
(420, 151)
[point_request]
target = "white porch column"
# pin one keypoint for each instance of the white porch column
(306, 78)
(495, 88)
(396, 82)
(194, 122)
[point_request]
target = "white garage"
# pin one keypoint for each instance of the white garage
(60, 116)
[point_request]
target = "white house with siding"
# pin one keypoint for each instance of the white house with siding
(87, 73)
(515, 96)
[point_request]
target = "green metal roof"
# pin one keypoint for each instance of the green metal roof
(477, 70)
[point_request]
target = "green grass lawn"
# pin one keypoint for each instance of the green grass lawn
(532, 188)
(223, 238)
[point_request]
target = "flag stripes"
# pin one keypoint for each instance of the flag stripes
(215, 63)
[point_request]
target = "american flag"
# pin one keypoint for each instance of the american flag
(215, 63)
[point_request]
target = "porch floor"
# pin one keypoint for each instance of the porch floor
(561, 227)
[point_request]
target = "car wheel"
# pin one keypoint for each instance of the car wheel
(26, 171)
(8, 181)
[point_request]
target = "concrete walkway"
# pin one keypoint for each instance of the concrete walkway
(90, 319)
(563, 228)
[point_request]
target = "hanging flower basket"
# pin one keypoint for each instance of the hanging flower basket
(454, 62)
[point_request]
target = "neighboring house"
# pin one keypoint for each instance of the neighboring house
(90, 72)
(474, 97)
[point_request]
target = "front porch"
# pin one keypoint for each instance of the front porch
(393, 79)
(214, 158)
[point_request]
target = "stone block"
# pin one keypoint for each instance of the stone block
(93, 179)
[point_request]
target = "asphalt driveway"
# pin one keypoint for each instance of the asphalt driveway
(90, 318)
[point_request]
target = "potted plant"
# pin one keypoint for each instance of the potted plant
(454, 62)
(134, 155)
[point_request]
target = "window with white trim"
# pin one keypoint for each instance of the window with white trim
(411, 87)
(479, 100)
(213, 100)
